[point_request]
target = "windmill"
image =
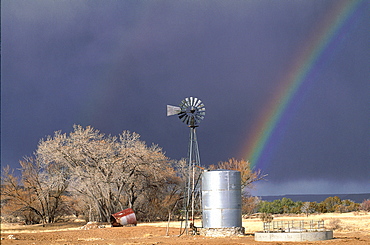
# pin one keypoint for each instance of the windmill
(191, 111)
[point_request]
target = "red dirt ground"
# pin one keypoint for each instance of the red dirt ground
(151, 235)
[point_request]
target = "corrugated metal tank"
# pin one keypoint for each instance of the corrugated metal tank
(221, 199)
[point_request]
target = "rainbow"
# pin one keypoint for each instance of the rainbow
(309, 57)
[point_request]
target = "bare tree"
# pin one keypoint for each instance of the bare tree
(16, 201)
(111, 173)
(250, 204)
(365, 205)
(84, 153)
(248, 176)
(41, 190)
(306, 208)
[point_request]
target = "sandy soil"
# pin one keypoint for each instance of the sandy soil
(354, 229)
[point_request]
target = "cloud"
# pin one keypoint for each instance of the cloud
(314, 186)
(115, 65)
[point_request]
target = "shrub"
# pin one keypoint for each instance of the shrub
(335, 224)
(365, 205)
(265, 217)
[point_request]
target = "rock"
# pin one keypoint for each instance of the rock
(92, 225)
(12, 237)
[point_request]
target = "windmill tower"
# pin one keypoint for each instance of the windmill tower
(191, 111)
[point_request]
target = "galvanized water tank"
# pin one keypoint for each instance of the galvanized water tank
(221, 199)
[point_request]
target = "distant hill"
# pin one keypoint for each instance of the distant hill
(357, 198)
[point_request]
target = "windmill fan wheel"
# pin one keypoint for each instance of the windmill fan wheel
(192, 111)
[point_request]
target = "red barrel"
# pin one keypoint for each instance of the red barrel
(125, 217)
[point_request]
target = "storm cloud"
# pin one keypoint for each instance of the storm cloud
(115, 65)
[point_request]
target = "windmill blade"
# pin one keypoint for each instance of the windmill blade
(188, 118)
(199, 117)
(195, 100)
(201, 109)
(201, 113)
(196, 121)
(187, 102)
(200, 106)
(182, 104)
(173, 110)
(185, 118)
(182, 114)
(197, 103)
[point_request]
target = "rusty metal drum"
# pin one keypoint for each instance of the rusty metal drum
(125, 217)
(221, 199)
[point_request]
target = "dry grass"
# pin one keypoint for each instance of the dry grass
(18, 228)
(351, 229)
(355, 221)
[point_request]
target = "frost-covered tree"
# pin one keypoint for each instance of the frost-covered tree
(110, 173)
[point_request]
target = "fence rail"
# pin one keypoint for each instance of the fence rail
(294, 226)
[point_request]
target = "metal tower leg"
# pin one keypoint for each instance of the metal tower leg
(191, 185)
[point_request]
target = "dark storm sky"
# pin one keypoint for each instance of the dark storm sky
(115, 65)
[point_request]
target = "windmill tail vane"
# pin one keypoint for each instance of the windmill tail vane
(173, 110)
